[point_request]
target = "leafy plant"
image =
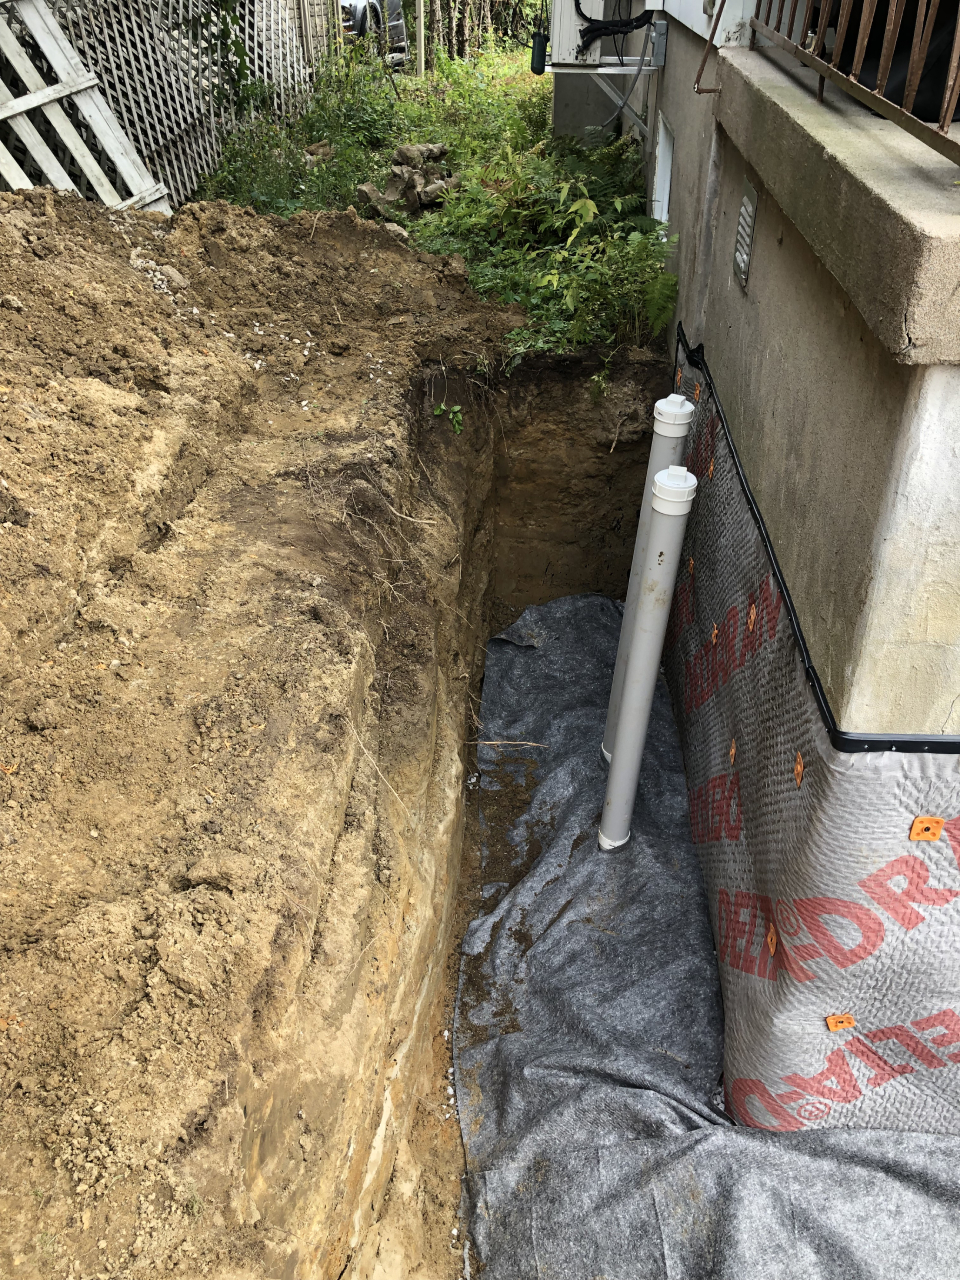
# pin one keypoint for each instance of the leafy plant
(456, 416)
(555, 226)
(560, 229)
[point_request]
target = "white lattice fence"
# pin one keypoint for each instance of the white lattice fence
(61, 123)
(166, 71)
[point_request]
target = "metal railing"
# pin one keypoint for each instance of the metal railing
(875, 67)
(832, 66)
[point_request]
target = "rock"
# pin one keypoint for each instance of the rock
(415, 154)
(394, 229)
(48, 715)
(412, 191)
(432, 193)
(408, 155)
(394, 186)
(220, 872)
(11, 303)
(12, 510)
(321, 150)
(174, 278)
(184, 961)
(369, 194)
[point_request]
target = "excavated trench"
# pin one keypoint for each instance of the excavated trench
(251, 565)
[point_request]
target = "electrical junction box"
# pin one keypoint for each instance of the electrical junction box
(565, 27)
(565, 24)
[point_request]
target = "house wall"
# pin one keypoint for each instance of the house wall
(839, 435)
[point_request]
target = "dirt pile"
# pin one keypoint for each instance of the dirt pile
(232, 602)
(243, 568)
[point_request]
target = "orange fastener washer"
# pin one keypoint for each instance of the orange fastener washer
(926, 828)
(840, 1021)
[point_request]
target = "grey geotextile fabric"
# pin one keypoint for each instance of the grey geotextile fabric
(589, 1030)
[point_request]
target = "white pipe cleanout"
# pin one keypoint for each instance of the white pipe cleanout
(671, 500)
(671, 423)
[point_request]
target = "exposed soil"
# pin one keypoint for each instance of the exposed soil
(245, 584)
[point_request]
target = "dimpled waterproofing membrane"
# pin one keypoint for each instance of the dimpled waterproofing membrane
(836, 932)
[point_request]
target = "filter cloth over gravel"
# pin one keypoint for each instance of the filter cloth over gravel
(589, 1034)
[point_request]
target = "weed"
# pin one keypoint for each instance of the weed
(599, 383)
(552, 225)
(560, 229)
(456, 415)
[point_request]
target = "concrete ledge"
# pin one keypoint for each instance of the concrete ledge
(879, 209)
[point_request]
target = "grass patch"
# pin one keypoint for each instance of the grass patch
(554, 226)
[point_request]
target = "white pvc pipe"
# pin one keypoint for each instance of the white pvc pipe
(671, 500)
(671, 423)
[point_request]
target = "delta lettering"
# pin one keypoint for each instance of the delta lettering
(812, 1098)
(800, 931)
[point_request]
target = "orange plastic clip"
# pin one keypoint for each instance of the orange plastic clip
(840, 1021)
(733, 751)
(772, 939)
(798, 768)
(926, 828)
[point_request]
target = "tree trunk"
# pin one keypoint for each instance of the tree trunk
(463, 30)
(452, 16)
(486, 23)
(435, 34)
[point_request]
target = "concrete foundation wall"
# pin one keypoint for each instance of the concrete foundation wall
(815, 405)
(835, 429)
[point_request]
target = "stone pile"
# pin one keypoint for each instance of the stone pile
(417, 179)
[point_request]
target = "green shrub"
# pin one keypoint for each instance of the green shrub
(554, 226)
(477, 107)
(560, 230)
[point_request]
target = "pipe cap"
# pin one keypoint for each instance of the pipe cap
(675, 484)
(676, 411)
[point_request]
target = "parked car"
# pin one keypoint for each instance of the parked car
(365, 17)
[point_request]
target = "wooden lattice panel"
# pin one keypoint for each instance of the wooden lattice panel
(56, 112)
(168, 76)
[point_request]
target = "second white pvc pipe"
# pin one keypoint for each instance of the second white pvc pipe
(672, 498)
(671, 423)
